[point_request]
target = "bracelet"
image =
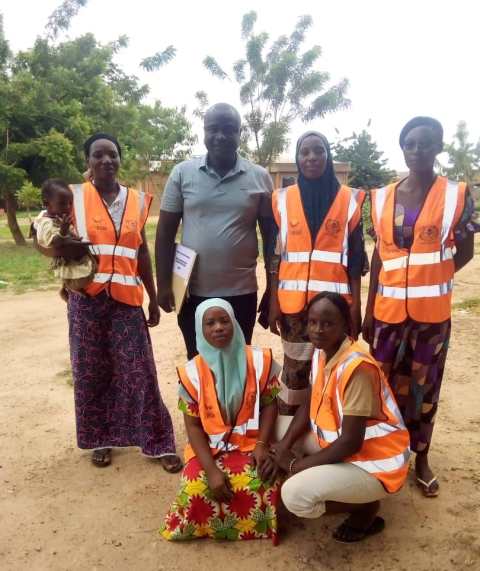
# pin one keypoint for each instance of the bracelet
(290, 466)
(261, 443)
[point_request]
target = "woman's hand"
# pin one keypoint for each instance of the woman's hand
(274, 315)
(220, 485)
(367, 328)
(266, 467)
(282, 456)
(153, 313)
(72, 248)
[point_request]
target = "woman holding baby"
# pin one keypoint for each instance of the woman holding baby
(117, 399)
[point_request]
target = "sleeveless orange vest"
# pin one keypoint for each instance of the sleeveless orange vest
(385, 451)
(418, 282)
(198, 381)
(305, 268)
(116, 255)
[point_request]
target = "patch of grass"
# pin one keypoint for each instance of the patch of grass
(472, 305)
(5, 233)
(22, 268)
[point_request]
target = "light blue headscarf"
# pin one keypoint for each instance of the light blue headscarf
(229, 365)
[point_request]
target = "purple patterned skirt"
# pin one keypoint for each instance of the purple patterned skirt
(117, 399)
(412, 356)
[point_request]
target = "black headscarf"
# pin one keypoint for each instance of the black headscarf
(95, 137)
(430, 122)
(317, 194)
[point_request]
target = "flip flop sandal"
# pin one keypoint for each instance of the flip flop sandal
(426, 487)
(345, 533)
(102, 457)
(171, 468)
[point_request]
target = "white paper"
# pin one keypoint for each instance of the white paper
(183, 261)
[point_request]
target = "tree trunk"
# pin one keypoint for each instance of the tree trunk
(11, 206)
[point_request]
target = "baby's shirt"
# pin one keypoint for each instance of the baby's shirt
(47, 229)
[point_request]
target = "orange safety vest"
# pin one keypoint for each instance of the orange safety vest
(197, 379)
(386, 448)
(417, 282)
(117, 254)
(305, 270)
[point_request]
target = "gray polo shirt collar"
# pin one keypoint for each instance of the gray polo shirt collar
(240, 167)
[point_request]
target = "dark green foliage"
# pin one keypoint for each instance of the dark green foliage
(367, 166)
(55, 95)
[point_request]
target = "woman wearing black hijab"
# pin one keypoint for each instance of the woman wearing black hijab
(319, 248)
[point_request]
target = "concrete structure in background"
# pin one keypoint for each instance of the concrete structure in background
(283, 173)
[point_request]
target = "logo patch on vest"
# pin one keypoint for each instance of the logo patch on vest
(429, 234)
(99, 223)
(209, 412)
(131, 225)
(294, 229)
(332, 227)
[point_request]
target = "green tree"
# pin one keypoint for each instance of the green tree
(56, 94)
(463, 156)
(277, 85)
(29, 197)
(367, 166)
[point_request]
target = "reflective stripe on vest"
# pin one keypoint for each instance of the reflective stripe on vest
(117, 279)
(217, 442)
(79, 208)
(420, 259)
(385, 451)
(316, 256)
(110, 249)
(415, 291)
(426, 270)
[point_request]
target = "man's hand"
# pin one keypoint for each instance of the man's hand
(165, 299)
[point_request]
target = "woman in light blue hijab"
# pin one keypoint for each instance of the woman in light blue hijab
(227, 393)
(228, 364)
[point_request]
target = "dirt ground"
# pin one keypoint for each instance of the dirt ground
(58, 512)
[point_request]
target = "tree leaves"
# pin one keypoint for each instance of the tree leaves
(331, 100)
(367, 166)
(159, 59)
(61, 17)
(463, 156)
(55, 95)
(278, 84)
(214, 68)
(248, 22)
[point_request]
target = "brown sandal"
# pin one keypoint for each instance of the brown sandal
(171, 463)
(101, 457)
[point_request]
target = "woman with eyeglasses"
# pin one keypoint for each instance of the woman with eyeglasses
(424, 235)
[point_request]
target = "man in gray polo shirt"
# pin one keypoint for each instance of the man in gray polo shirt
(219, 198)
